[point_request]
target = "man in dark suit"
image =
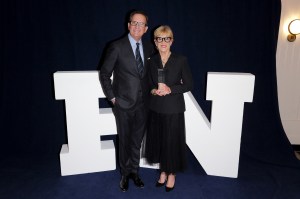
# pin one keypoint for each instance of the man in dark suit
(126, 59)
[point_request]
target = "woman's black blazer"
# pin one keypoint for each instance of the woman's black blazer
(177, 76)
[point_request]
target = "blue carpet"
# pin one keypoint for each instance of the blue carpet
(33, 178)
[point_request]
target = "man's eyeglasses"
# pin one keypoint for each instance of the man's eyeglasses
(135, 23)
(161, 39)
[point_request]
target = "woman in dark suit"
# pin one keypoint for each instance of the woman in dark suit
(169, 77)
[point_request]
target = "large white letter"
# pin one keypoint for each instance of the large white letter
(84, 152)
(216, 145)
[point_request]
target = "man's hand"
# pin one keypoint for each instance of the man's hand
(113, 101)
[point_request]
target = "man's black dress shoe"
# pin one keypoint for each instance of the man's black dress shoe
(124, 183)
(137, 180)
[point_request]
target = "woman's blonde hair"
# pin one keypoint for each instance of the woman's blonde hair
(164, 29)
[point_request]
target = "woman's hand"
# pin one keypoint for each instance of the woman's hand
(163, 89)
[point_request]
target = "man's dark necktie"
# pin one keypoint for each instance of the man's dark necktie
(138, 59)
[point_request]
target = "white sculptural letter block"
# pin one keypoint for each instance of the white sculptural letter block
(84, 152)
(216, 144)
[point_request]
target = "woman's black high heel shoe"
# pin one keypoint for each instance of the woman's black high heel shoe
(158, 184)
(168, 189)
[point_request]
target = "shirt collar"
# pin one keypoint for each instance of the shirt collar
(133, 42)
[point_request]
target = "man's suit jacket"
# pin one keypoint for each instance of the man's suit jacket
(128, 86)
(177, 76)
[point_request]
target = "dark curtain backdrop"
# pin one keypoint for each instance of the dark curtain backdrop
(40, 37)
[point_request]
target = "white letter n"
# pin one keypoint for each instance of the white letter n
(216, 145)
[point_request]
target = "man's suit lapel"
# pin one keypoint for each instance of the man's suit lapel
(147, 53)
(131, 58)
